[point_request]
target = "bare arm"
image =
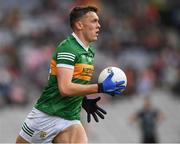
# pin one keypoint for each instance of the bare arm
(133, 118)
(161, 117)
(67, 88)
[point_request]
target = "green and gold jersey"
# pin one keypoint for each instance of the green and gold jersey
(71, 54)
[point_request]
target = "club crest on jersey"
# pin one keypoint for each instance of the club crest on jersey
(42, 134)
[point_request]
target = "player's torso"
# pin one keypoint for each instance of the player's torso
(148, 121)
(51, 101)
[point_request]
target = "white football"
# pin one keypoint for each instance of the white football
(119, 75)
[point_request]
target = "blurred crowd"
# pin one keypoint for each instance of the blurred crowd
(139, 36)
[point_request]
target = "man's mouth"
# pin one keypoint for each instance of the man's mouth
(97, 32)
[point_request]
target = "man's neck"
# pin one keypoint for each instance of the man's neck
(82, 43)
(82, 39)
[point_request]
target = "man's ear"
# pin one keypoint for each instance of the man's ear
(79, 25)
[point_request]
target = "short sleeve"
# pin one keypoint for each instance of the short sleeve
(65, 56)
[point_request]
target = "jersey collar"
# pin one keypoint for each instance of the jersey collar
(80, 42)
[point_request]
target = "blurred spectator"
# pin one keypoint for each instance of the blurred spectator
(176, 86)
(146, 81)
(5, 86)
(131, 81)
(148, 118)
(18, 95)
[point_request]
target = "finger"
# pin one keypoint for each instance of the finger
(88, 117)
(99, 114)
(110, 75)
(95, 117)
(102, 110)
(120, 87)
(120, 83)
(97, 99)
(117, 92)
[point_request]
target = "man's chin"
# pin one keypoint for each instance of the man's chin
(95, 39)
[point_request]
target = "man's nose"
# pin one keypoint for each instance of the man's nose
(99, 25)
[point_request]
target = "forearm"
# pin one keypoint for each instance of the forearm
(74, 89)
(68, 88)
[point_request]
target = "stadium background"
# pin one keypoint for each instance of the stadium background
(140, 36)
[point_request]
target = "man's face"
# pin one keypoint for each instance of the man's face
(91, 26)
(147, 104)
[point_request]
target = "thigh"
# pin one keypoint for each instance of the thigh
(19, 139)
(72, 134)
